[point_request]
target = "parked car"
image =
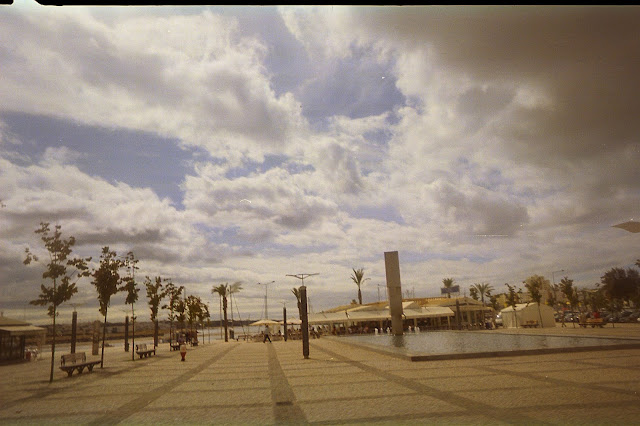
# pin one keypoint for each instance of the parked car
(571, 316)
(630, 317)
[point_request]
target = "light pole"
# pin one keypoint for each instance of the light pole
(304, 313)
(553, 278)
(266, 287)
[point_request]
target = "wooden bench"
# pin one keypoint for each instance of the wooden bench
(593, 322)
(76, 361)
(143, 351)
(175, 346)
(530, 324)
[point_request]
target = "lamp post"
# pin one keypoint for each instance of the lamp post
(305, 318)
(553, 278)
(266, 288)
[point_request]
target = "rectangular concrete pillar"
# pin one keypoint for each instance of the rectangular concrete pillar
(392, 267)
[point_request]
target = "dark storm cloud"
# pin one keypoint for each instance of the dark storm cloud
(482, 212)
(586, 59)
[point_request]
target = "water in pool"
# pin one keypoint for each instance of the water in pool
(435, 343)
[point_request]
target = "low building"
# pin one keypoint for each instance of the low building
(14, 336)
(424, 313)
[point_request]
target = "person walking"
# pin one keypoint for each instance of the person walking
(266, 335)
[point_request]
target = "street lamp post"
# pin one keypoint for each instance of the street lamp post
(266, 309)
(305, 318)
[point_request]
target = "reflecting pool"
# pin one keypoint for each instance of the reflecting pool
(468, 344)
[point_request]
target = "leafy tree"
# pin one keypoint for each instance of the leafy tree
(621, 284)
(570, 293)
(534, 285)
(512, 300)
(174, 296)
(552, 298)
(194, 311)
(358, 278)
(131, 288)
(181, 307)
(106, 279)
(222, 290)
(493, 301)
(448, 284)
(63, 279)
(473, 292)
(155, 294)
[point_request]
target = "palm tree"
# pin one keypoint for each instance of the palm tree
(512, 300)
(296, 292)
(483, 289)
(448, 284)
(222, 290)
(357, 278)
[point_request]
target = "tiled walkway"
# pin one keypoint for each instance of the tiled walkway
(240, 383)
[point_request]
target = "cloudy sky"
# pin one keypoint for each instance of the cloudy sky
(225, 144)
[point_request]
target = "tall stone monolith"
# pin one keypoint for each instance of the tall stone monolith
(392, 266)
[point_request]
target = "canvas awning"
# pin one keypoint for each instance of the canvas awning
(22, 330)
(327, 317)
(369, 315)
(428, 312)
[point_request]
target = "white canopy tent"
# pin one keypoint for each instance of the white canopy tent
(525, 312)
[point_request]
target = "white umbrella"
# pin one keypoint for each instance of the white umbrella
(292, 322)
(265, 322)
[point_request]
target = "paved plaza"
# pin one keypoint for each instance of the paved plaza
(256, 383)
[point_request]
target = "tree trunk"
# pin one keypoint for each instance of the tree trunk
(359, 295)
(104, 333)
(540, 314)
(156, 327)
(224, 308)
(53, 344)
(133, 334)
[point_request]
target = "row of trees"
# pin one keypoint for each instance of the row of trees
(114, 274)
(617, 287)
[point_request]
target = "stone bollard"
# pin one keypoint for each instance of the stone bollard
(183, 350)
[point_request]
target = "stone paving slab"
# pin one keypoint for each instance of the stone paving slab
(256, 383)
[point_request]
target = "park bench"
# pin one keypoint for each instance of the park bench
(175, 346)
(530, 324)
(593, 322)
(144, 351)
(76, 361)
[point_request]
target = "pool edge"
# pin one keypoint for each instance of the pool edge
(491, 354)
